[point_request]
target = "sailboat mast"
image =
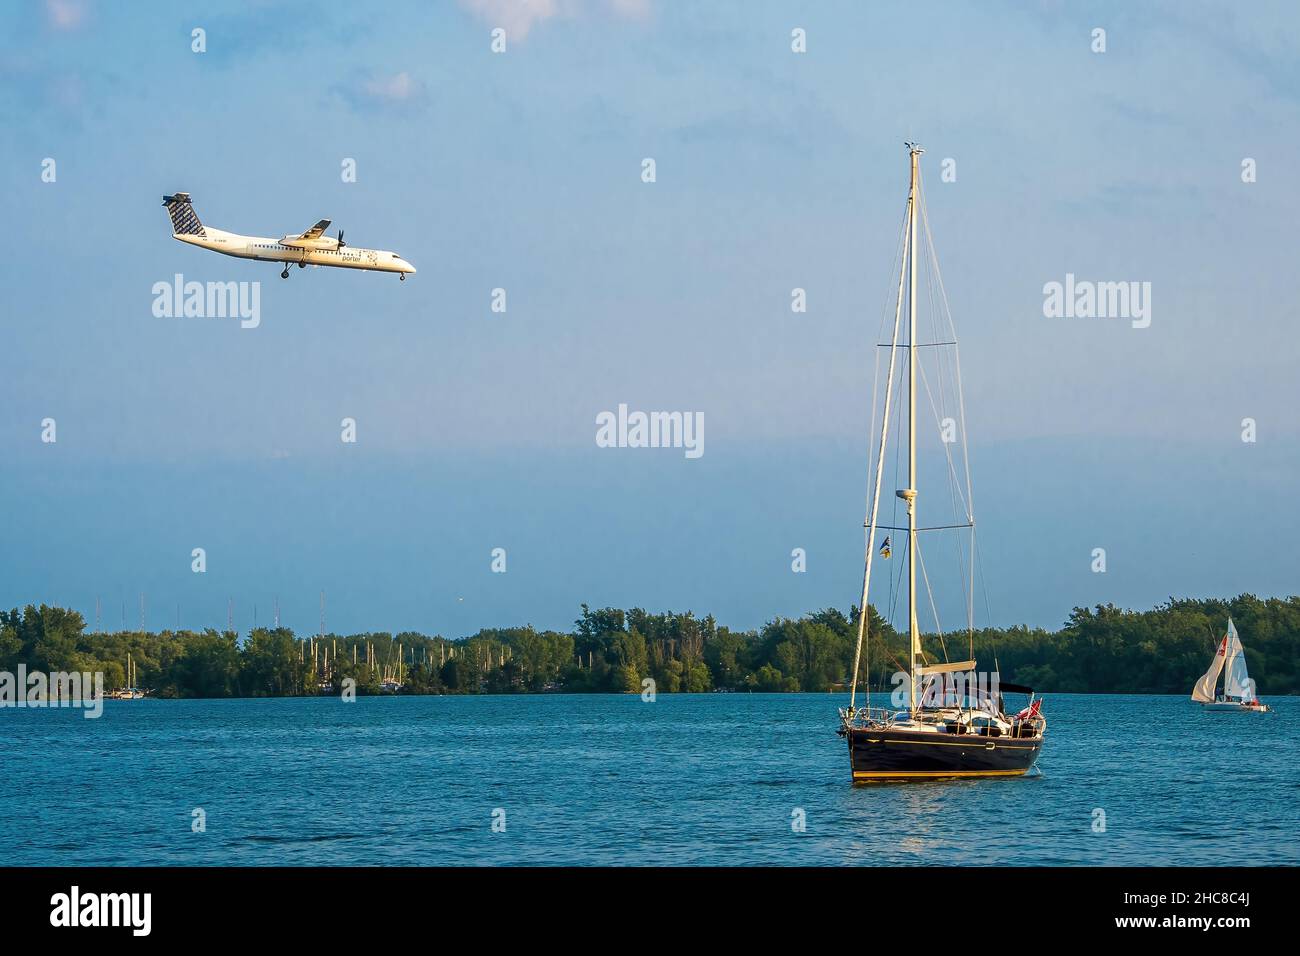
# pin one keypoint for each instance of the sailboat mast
(909, 493)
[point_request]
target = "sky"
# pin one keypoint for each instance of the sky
(522, 170)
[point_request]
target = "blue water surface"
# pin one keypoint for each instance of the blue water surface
(686, 779)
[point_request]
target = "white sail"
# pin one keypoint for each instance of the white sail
(1203, 692)
(1236, 681)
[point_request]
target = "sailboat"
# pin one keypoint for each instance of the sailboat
(1238, 688)
(130, 691)
(954, 724)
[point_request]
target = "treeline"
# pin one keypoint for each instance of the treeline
(1099, 650)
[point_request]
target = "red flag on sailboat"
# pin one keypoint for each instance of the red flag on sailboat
(1031, 710)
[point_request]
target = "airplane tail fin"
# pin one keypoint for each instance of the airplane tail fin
(185, 221)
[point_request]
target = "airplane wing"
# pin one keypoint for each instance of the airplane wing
(316, 231)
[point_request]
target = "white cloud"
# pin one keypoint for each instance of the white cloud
(381, 92)
(632, 9)
(65, 14)
(518, 17)
(396, 88)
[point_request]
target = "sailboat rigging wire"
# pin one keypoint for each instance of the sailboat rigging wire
(939, 409)
(954, 490)
(899, 258)
(947, 310)
(933, 609)
(965, 444)
(899, 254)
(884, 316)
(863, 611)
(896, 573)
(987, 610)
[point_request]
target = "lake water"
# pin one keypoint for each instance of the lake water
(688, 779)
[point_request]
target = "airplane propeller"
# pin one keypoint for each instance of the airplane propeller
(341, 242)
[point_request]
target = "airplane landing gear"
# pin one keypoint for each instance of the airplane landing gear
(285, 273)
(401, 277)
(302, 265)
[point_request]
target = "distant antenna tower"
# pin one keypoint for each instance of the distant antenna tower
(255, 617)
(178, 616)
(230, 614)
(99, 622)
(142, 610)
(277, 612)
(322, 615)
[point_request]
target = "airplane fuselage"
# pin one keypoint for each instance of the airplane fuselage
(292, 249)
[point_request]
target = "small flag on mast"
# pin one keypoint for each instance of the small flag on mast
(884, 548)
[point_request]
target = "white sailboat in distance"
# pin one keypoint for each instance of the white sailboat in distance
(1238, 688)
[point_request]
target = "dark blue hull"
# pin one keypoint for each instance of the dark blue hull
(881, 754)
